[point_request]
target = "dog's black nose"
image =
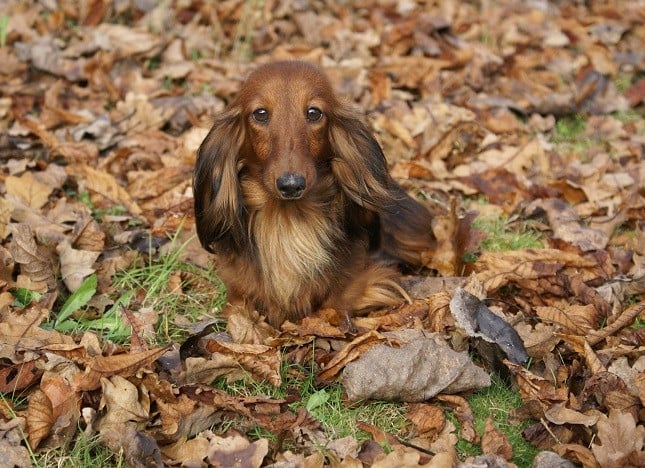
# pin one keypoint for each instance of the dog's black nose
(291, 185)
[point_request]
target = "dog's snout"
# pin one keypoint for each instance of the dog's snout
(291, 185)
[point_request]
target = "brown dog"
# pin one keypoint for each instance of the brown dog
(293, 195)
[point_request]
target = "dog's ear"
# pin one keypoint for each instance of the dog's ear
(216, 186)
(358, 162)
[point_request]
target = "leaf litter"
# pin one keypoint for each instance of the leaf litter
(535, 108)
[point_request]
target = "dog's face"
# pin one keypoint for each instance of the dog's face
(286, 110)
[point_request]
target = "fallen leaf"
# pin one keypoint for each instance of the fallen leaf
(495, 441)
(464, 415)
(123, 365)
(620, 440)
(560, 414)
(40, 418)
(75, 265)
(428, 421)
(422, 367)
(260, 361)
(13, 453)
(18, 376)
(32, 192)
(34, 259)
(236, 450)
(478, 321)
(104, 184)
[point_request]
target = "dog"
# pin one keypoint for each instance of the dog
(293, 196)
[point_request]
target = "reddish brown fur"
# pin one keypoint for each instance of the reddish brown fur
(330, 240)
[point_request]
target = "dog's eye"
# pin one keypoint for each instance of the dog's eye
(314, 114)
(260, 115)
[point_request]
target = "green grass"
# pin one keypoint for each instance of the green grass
(166, 284)
(85, 452)
(4, 29)
(498, 401)
(339, 419)
(623, 81)
(628, 116)
(172, 287)
(503, 234)
(569, 128)
(325, 403)
(569, 134)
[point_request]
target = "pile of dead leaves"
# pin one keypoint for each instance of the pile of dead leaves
(111, 99)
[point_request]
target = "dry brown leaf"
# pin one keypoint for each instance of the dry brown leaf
(464, 415)
(377, 434)
(152, 184)
(246, 327)
(620, 440)
(187, 452)
(566, 225)
(75, 265)
(496, 269)
(428, 421)
(40, 418)
(539, 340)
(262, 362)
(578, 453)
(564, 319)
(122, 401)
(495, 441)
(14, 454)
(29, 190)
(87, 234)
(65, 402)
(582, 347)
(350, 352)
(560, 414)
(18, 376)
(625, 319)
(34, 259)
(138, 448)
(236, 450)
(124, 365)
(404, 315)
(105, 184)
(325, 323)
(406, 457)
(22, 330)
(533, 387)
(423, 366)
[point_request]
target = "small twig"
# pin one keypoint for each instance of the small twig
(548, 429)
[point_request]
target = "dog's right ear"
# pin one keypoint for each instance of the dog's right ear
(216, 185)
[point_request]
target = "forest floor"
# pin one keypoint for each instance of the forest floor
(520, 123)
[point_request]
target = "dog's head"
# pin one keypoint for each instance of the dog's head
(285, 131)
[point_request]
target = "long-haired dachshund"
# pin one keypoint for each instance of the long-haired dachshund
(293, 195)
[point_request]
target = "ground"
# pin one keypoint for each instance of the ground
(519, 124)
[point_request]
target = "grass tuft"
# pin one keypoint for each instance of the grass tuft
(173, 288)
(498, 401)
(503, 234)
(86, 452)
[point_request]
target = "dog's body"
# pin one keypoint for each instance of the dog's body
(293, 196)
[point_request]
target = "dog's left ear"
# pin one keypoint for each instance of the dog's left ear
(358, 162)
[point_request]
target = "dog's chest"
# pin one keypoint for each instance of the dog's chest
(293, 250)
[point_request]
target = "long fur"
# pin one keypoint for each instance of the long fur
(335, 240)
